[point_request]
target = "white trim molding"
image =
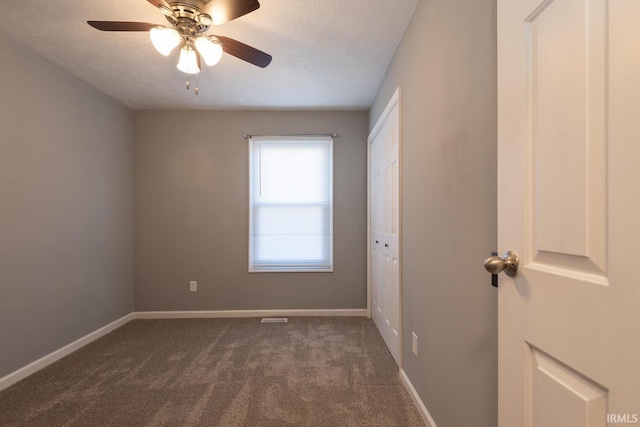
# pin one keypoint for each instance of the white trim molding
(424, 413)
(58, 354)
(369, 229)
(247, 313)
(393, 101)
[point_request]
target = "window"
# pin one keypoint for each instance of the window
(291, 204)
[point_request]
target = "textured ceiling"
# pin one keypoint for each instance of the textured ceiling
(326, 53)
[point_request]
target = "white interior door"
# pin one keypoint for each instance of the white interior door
(569, 206)
(385, 227)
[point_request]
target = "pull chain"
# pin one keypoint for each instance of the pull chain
(196, 90)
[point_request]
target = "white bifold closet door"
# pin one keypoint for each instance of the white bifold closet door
(385, 228)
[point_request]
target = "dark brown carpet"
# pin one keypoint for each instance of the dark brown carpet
(219, 372)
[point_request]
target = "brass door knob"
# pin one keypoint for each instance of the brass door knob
(509, 263)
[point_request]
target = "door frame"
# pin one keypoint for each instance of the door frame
(393, 102)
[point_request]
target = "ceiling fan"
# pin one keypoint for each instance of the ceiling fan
(189, 20)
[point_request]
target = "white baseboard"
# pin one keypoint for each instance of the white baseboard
(47, 360)
(246, 313)
(424, 413)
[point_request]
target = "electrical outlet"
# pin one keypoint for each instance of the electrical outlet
(193, 286)
(414, 344)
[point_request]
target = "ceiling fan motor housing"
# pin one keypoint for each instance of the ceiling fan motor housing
(188, 19)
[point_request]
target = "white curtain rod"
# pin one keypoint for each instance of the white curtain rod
(332, 135)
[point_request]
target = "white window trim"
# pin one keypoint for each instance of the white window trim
(289, 269)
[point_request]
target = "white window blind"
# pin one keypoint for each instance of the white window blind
(291, 204)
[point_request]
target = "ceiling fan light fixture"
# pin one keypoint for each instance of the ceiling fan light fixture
(211, 50)
(164, 39)
(189, 62)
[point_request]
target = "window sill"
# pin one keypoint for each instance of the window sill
(291, 271)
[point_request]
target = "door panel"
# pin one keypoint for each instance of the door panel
(565, 57)
(563, 397)
(568, 156)
(377, 239)
(393, 237)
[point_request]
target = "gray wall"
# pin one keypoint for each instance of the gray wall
(191, 212)
(65, 208)
(446, 67)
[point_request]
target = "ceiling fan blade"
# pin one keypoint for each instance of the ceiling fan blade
(121, 26)
(227, 10)
(245, 52)
(157, 3)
